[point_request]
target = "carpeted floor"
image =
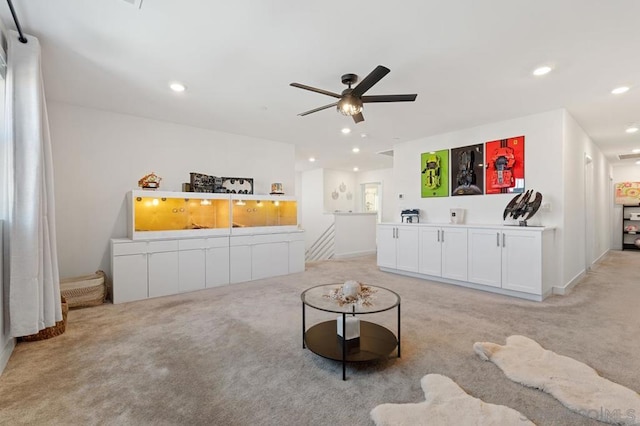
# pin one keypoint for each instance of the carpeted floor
(233, 355)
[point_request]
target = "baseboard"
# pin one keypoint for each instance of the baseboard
(568, 286)
(6, 353)
(354, 254)
(566, 289)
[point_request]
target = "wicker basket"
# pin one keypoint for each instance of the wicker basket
(88, 290)
(52, 331)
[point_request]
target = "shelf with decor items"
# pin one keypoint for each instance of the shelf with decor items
(186, 241)
(166, 214)
(631, 227)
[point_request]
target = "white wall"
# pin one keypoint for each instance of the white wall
(543, 141)
(341, 185)
(314, 218)
(555, 148)
(622, 173)
(99, 156)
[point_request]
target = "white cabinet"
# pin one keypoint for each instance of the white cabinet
(508, 259)
(192, 264)
(398, 247)
(143, 269)
(443, 252)
(217, 261)
(253, 257)
(296, 252)
(130, 274)
(240, 259)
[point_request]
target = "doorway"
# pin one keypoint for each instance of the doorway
(370, 202)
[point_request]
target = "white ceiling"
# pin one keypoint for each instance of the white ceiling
(469, 61)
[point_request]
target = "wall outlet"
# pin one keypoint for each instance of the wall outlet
(545, 207)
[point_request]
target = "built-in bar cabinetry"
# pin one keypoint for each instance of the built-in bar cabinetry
(181, 242)
(516, 261)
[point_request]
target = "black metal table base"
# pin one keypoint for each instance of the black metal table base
(375, 342)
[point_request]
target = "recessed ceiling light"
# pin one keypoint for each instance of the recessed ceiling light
(355, 169)
(632, 129)
(542, 71)
(177, 87)
(364, 135)
(346, 130)
(312, 159)
(356, 149)
(620, 90)
(636, 151)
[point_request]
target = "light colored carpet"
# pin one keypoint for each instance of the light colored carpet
(233, 355)
(446, 403)
(576, 385)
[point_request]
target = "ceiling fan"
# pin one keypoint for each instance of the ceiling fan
(351, 100)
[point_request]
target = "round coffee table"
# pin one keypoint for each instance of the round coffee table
(374, 342)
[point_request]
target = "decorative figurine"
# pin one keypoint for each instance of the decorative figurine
(150, 181)
(523, 205)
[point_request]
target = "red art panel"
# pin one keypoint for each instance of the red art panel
(504, 166)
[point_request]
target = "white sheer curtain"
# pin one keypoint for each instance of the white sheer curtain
(34, 284)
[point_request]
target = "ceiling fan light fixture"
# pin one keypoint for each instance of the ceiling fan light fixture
(349, 106)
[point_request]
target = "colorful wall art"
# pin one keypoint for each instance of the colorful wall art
(435, 173)
(627, 193)
(505, 166)
(467, 170)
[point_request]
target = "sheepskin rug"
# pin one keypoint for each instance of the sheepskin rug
(576, 385)
(446, 404)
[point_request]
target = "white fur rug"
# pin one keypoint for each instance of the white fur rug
(446, 404)
(576, 385)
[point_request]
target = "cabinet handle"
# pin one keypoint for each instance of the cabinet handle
(498, 239)
(438, 235)
(397, 233)
(442, 238)
(503, 241)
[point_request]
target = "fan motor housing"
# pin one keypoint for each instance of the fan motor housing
(349, 79)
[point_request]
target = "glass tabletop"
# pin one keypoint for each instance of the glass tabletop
(329, 297)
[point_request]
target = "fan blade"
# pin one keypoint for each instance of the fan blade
(389, 98)
(313, 89)
(368, 82)
(358, 117)
(317, 109)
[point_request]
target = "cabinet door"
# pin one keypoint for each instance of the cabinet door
(296, 256)
(408, 248)
(269, 260)
(129, 278)
(191, 269)
(163, 273)
(430, 251)
(386, 246)
(522, 261)
(240, 263)
(454, 253)
(485, 257)
(217, 266)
